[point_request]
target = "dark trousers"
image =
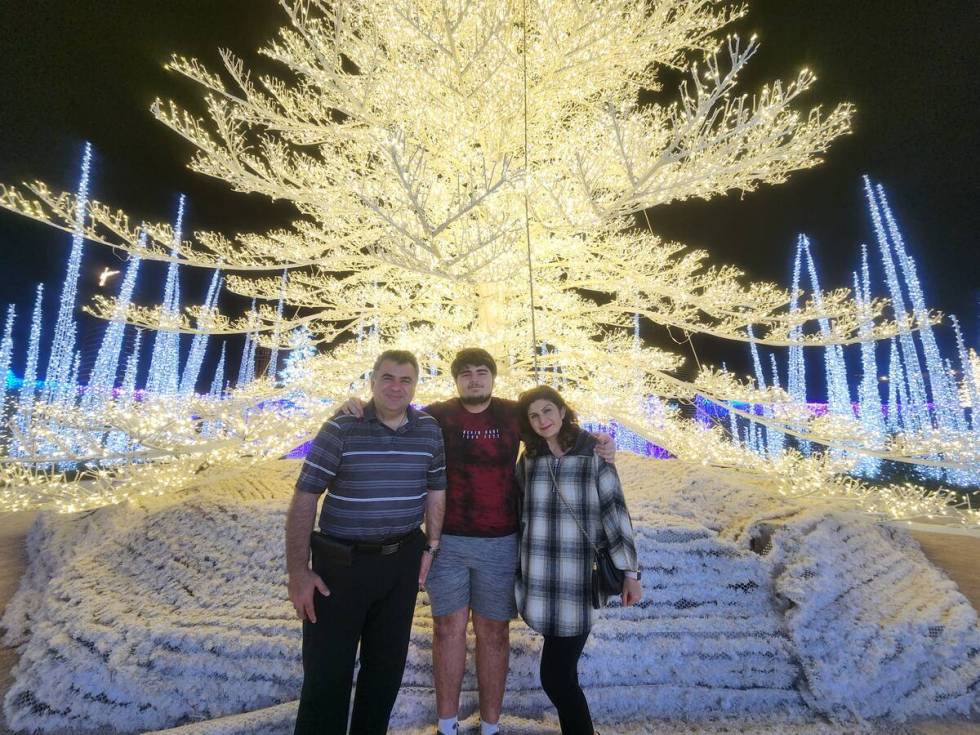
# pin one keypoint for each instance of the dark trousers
(371, 602)
(559, 679)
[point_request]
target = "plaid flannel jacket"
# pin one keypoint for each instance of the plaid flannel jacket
(553, 589)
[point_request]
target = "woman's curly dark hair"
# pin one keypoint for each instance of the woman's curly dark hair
(534, 444)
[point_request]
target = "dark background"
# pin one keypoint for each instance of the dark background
(85, 70)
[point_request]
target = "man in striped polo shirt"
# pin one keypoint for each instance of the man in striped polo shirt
(370, 557)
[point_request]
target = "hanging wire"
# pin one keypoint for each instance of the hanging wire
(527, 215)
(687, 335)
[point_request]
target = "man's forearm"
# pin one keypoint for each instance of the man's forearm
(299, 524)
(435, 510)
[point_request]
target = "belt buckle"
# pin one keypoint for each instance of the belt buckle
(390, 548)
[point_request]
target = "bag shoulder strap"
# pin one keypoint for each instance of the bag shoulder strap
(554, 486)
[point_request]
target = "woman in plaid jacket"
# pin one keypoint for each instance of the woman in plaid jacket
(566, 490)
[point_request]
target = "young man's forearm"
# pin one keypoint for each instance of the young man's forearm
(435, 510)
(299, 524)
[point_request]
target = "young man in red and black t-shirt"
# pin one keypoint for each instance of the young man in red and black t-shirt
(475, 567)
(476, 561)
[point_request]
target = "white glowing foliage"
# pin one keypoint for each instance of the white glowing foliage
(298, 368)
(63, 342)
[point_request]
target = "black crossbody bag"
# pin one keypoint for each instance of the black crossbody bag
(607, 579)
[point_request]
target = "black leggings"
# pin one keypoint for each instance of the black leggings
(559, 679)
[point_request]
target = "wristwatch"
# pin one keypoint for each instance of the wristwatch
(637, 575)
(430, 549)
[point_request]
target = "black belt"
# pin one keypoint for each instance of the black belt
(382, 547)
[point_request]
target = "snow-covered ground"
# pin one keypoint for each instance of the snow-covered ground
(171, 611)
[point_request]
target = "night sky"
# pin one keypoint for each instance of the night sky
(86, 70)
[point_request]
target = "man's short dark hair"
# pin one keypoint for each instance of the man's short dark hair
(399, 357)
(473, 356)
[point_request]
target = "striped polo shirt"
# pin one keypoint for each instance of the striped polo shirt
(377, 477)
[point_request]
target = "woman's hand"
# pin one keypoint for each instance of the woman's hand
(632, 592)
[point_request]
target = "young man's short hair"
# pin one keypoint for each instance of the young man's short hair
(399, 357)
(473, 356)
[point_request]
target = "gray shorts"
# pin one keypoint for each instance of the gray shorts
(474, 572)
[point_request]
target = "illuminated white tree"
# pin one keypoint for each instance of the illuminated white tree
(469, 172)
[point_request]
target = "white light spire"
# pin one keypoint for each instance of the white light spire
(195, 358)
(838, 392)
(243, 365)
(6, 355)
(163, 373)
(118, 441)
(892, 422)
(776, 439)
(869, 398)
(63, 342)
(760, 378)
(103, 376)
(946, 407)
(273, 366)
(916, 416)
(969, 376)
(28, 387)
(217, 384)
(796, 372)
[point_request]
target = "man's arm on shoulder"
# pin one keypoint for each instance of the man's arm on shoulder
(606, 447)
(353, 406)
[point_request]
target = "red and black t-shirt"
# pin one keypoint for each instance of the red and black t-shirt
(481, 450)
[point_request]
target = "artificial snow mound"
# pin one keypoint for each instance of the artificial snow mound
(169, 611)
